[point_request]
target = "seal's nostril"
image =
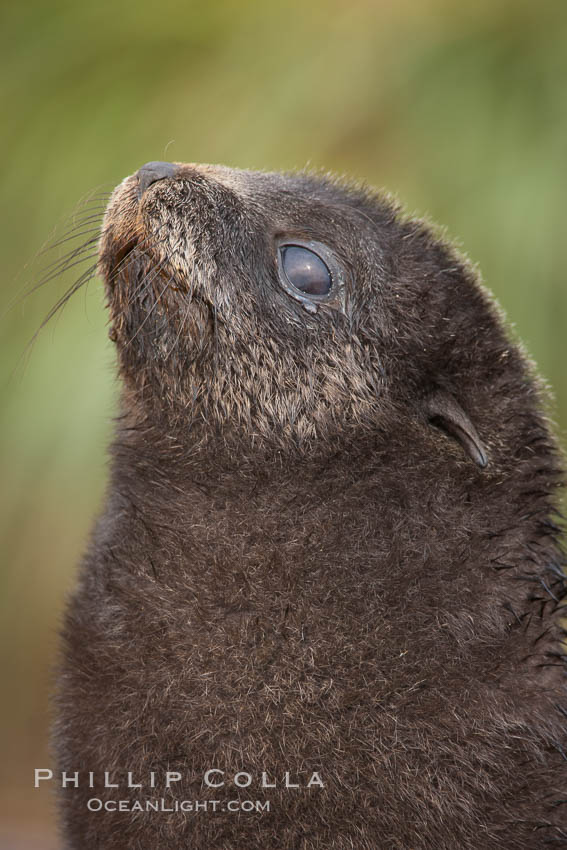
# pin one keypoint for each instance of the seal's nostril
(151, 172)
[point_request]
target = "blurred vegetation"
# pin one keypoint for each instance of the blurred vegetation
(459, 109)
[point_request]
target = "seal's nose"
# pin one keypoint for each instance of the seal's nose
(151, 172)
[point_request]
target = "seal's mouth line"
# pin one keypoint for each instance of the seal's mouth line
(122, 255)
(113, 262)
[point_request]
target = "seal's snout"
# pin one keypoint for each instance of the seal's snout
(151, 172)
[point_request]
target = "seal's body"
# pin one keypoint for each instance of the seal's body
(328, 559)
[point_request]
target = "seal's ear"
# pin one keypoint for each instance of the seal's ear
(443, 411)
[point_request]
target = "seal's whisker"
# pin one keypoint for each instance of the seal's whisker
(183, 324)
(94, 199)
(151, 312)
(75, 222)
(144, 283)
(89, 212)
(72, 253)
(140, 288)
(97, 192)
(69, 261)
(150, 275)
(64, 266)
(186, 314)
(52, 272)
(101, 204)
(86, 276)
(71, 235)
(140, 248)
(59, 305)
(154, 275)
(82, 229)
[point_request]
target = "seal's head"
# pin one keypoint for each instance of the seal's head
(293, 307)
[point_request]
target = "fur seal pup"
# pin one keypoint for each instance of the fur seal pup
(327, 574)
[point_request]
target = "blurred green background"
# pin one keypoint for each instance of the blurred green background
(459, 109)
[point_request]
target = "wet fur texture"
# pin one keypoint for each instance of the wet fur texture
(298, 566)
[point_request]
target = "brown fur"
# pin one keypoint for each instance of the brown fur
(299, 567)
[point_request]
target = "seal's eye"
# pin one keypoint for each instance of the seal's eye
(305, 270)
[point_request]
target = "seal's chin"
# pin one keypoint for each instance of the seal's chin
(121, 232)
